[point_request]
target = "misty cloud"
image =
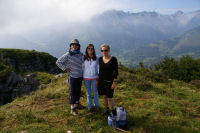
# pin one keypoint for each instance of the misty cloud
(18, 16)
(23, 15)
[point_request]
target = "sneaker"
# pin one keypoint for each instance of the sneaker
(74, 112)
(79, 106)
(114, 112)
(106, 111)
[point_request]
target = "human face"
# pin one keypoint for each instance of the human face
(74, 46)
(105, 51)
(90, 50)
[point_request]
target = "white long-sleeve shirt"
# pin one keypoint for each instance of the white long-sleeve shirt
(90, 69)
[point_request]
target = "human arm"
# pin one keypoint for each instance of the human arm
(97, 69)
(115, 72)
(63, 63)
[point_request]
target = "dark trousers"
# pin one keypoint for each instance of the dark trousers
(74, 89)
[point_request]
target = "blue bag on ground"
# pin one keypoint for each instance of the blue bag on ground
(117, 119)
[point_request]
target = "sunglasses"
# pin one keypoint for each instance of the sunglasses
(75, 44)
(104, 50)
(90, 48)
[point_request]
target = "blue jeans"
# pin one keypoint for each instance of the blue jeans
(91, 85)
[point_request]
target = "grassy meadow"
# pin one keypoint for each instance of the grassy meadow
(154, 104)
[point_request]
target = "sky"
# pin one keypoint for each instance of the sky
(23, 15)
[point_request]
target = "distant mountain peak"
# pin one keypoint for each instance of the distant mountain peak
(113, 12)
(178, 13)
(151, 14)
(120, 13)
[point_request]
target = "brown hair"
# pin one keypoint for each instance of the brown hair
(86, 56)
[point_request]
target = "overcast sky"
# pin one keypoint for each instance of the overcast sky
(23, 15)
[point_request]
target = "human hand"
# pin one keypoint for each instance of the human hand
(67, 70)
(96, 83)
(113, 85)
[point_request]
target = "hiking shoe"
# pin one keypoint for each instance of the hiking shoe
(79, 106)
(106, 111)
(74, 112)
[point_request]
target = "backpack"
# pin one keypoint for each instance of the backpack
(117, 118)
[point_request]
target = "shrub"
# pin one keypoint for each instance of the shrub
(156, 76)
(44, 78)
(169, 66)
(189, 69)
(4, 71)
(126, 69)
(143, 84)
(124, 76)
(186, 69)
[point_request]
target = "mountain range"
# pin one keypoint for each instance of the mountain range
(134, 37)
(187, 43)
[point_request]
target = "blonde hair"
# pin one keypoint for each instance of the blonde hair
(105, 45)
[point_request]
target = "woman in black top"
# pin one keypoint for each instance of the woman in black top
(108, 72)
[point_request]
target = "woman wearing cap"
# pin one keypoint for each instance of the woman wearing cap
(71, 62)
(108, 72)
(90, 76)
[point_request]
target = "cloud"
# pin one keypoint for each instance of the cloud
(23, 15)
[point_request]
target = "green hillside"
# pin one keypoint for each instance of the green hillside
(154, 104)
(22, 55)
(18, 65)
(190, 38)
(185, 44)
(28, 60)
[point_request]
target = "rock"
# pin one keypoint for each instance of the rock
(17, 86)
(11, 81)
(169, 113)
(23, 131)
(38, 64)
(60, 75)
(6, 88)
(30, 83)
(42, 86)
(65, 82)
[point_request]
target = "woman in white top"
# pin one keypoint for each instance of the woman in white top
(90, 75)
